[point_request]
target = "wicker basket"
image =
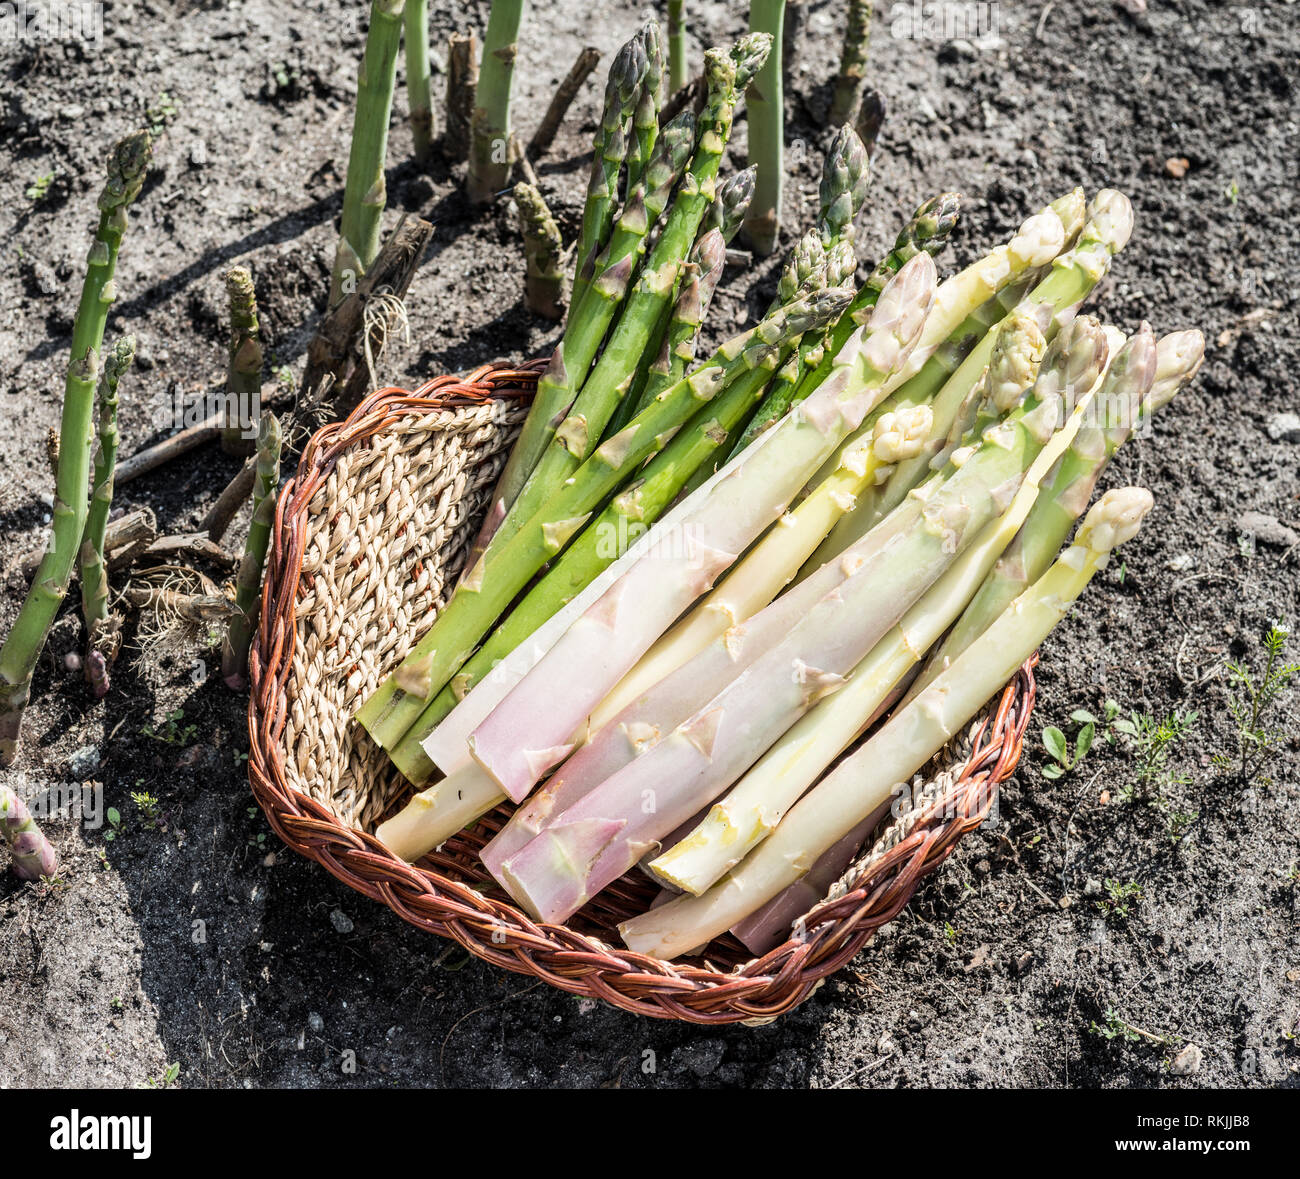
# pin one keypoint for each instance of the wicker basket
(368, 539)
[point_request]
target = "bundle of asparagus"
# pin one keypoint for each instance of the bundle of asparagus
(905, 461)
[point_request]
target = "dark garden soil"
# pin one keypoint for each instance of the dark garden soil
(193, 938)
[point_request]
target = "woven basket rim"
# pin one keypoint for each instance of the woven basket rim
(498, 932)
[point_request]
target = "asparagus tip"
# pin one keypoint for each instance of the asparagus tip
(1114, 518)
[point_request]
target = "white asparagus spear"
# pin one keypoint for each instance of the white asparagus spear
(751, 811)
(534, 727)
(868, 778)
(682, 691)
(595, 841)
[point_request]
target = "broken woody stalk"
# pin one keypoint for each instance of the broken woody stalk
(543, 254)
(248, 582)
(94, 574)
(126, 169)
(244, 374)
(364, 190)
(766, 131)
(29, 850)
(489, 148)
(889, 759)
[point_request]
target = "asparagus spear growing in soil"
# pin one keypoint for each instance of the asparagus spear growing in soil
(543, 254)
(462, 82)
(565, 93)
(1068, 489)
(603, 541)
(489, 146)
(244, 379)
(1106, 231)
(248, 582)
(753, 809)
(419, 94)
(577, 435)
(126, 170)
(862, 782)
(676, 46)
(853, 63)
(766, 131)
(597, 839)
(364, 191)
(504, 569)
(30, 852)
(94, 575)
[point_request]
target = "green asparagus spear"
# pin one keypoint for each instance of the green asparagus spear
(418, 79)
(126, 170)
(676, 46)
(94, 576)
(364, 191)
(489, 149)
(727, 213)
(622, 89)
(766, 131)
(853, 63)
(645, 117)
(244, 372)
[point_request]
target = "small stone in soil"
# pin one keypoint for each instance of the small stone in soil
(341, 921)
(1177, 166)
(1187, 1062)
(1267, 529)
(83, 762)
(700, 1059)
(1283, 427)
(315, 1022)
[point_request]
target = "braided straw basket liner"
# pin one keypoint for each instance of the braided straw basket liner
(369, 537)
